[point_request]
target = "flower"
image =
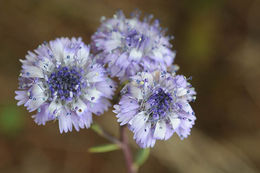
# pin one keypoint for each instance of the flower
(155, 105)
(129, 45)
(61, 81)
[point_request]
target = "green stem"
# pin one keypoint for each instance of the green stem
(96, 128)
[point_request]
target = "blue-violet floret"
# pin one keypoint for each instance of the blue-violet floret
(155, 105)
(61, 81)
(131, 45)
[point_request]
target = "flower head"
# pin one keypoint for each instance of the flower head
(155, 105)
(61, 81)
(129, 45)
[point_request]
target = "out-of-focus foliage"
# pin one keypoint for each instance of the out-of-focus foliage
(11, 120)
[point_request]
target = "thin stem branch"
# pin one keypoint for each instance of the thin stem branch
(126, 150)
(122, 143)
(95, 127)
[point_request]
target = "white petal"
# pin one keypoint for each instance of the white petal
(113, 42)
(117, 109)
(94, 76)
(157, 55)
(136, 92)
(150, 141)
(186, 123)
(79, 106)
(169, 131)
(69, 58)
(148, 77)
(57, 47)
(45, 64)
(55, 108)
(37, 90)
(42, 115)
(83, 53)
(22, 97)
(135, 55)
(185, 106)
(125, 117)
(92, 95)
(32, 71)
(175, 121)
(141, 134)
(31, 57)
(181, 92)
(85, 120)
(34, 104)
(138, 121)
(122, 60)
(65, 123)
(37, 98)
(160, 130)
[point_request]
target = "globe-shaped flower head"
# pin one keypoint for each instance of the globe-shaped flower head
(129, 45)
(61, 82)
(155, 105)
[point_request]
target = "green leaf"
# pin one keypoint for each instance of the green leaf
(141, 157)
(97, 128)
(123, 84)
(104, 148)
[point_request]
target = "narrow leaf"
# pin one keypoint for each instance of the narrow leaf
(104, 148)
(141, 157)
(97, 129)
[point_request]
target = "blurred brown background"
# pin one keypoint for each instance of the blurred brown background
(217, 43)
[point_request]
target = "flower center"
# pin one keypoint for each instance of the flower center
(159, 103)
(135, 39)
(65, 83)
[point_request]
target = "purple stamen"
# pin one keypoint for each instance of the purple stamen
(66, 82)
(159, 103)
